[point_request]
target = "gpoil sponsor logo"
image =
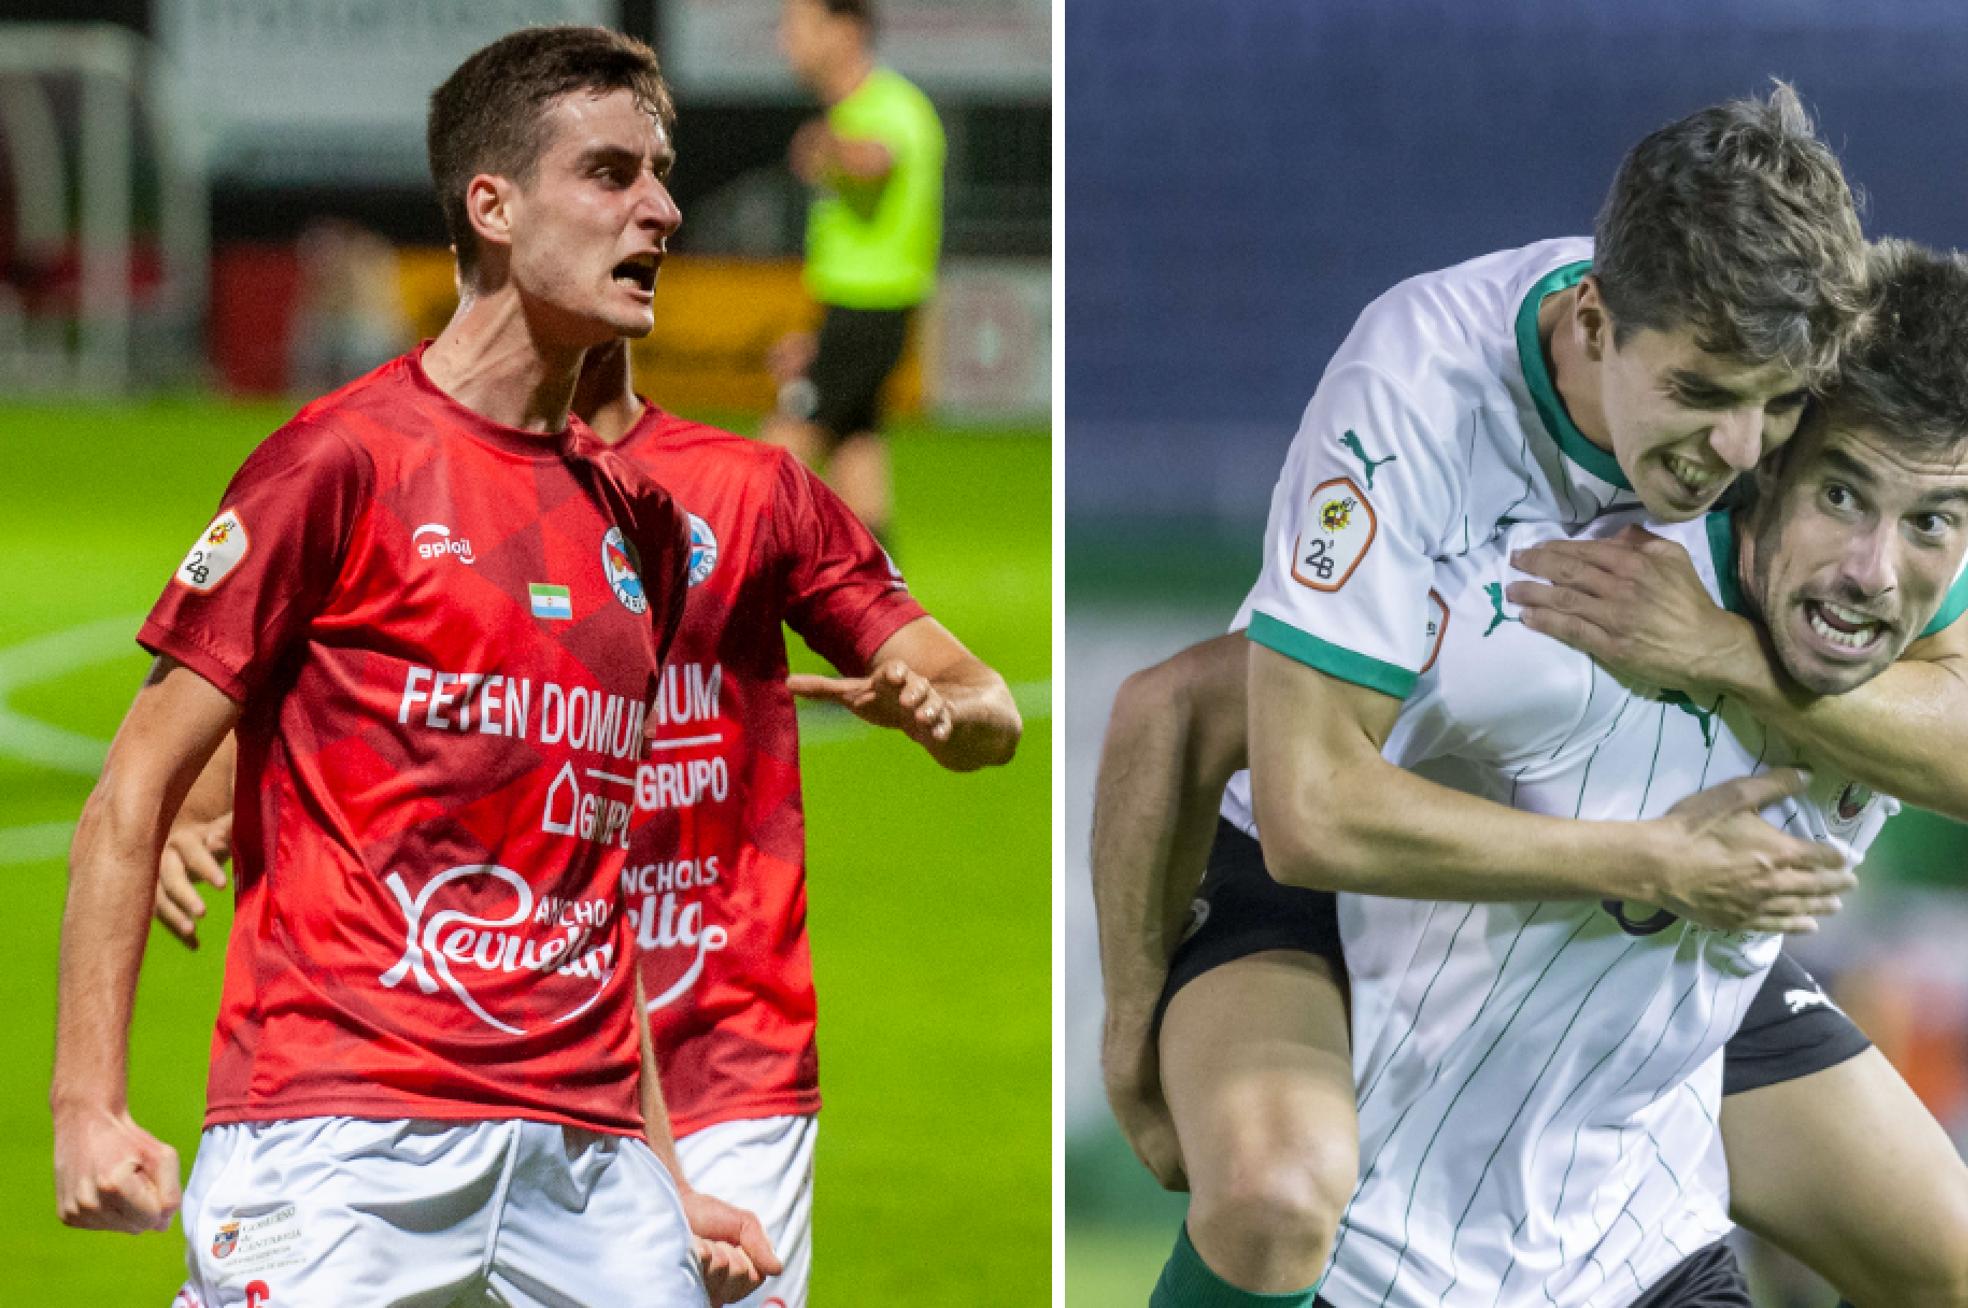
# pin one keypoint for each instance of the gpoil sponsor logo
(548, 956)
(435, 541)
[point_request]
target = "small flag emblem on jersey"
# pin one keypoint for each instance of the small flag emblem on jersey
(550, 601)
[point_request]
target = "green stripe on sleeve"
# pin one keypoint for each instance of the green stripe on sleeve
(1952, 607)
(1333, 660)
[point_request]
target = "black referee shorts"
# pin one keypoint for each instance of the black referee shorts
(856, 352)
(1790, 1031)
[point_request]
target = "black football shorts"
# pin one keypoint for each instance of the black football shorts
(1790, 1031)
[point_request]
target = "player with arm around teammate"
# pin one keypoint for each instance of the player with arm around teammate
(1543, 384)
(1879, 1203)
(426, 1074)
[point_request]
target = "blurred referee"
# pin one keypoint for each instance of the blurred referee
(874, 164)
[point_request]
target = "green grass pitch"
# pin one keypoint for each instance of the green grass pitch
(930, 895)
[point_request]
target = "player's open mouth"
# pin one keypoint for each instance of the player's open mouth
(1696, 481)
(638, 273)
(1846, 632)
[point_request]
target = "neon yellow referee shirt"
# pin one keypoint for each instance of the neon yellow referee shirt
(873, 245)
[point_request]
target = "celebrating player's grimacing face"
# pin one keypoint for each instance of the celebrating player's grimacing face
(1855, 550)
(588, 225)
(1685, 422)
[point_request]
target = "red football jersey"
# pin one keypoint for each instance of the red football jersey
(716, 878)
(445, 637)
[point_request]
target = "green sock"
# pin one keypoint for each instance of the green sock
(1188, 1282)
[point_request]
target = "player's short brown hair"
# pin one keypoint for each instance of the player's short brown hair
(1908, 377)
(1737, 221)
(488, 116)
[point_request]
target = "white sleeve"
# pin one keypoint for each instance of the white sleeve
(1367, 493)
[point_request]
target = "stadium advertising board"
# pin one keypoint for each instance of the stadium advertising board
(322, 90)
(724, 48)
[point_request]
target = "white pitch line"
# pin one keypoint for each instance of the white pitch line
(41, 659)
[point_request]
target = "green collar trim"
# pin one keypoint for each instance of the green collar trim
(1722, 553)
(1530, 350)
(1952, 607)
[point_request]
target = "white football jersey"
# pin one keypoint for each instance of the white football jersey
(1538, 1082)
(1435, 425)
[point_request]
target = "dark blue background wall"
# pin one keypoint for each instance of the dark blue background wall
(1243, 176)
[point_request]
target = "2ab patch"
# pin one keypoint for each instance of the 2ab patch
(1339, 528)
(215, 554)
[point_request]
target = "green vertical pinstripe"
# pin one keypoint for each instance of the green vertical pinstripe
(1449, 1111)
(1511, 1125)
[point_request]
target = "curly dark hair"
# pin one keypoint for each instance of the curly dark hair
(1908, 377)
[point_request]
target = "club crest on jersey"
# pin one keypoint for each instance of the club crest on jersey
(703, 549)
(619, 565)
(1336, 537)
(226, 1240)
(1853, 800)
(217, 552)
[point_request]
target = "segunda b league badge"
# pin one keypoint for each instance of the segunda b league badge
(1338, 530)
(619, 565)
(703, 549)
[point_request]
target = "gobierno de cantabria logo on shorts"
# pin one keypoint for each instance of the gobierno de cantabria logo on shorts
(623, 570)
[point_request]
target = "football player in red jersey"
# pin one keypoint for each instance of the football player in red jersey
(412, 611)
(717, 877)
(716, 874)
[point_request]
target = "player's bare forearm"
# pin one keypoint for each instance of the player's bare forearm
(1635, 604)
(177, 720)
(1174, 740)
(1905, 732)
(856, 161)
(1335, 814)
(655, 1111)
(984, 724)
(210, 796)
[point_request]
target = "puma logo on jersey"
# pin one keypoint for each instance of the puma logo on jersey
(1799, 1000)
(1495, 591)
(1352, 442)
(1706, 717)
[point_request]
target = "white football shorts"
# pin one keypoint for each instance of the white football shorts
(766, 1165)
(324, 1212)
